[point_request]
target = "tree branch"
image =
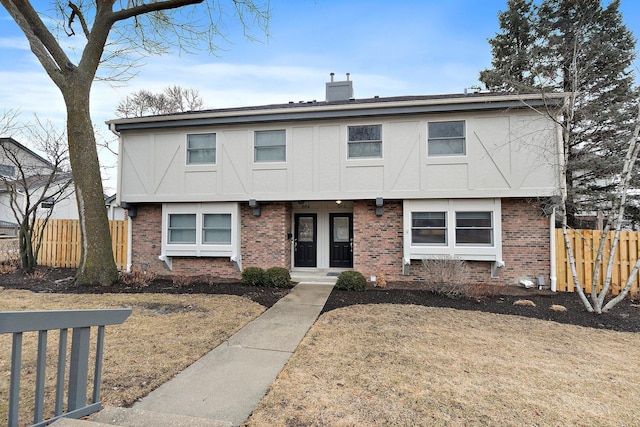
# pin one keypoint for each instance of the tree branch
(43, 44)
(150, 7)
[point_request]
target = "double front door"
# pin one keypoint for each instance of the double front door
(340, 240)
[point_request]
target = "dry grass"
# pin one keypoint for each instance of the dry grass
(164, 334)
(413, 365)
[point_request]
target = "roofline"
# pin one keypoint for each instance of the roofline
(28, 150)
(371, 107)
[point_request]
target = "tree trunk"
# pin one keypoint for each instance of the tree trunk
(97, 265)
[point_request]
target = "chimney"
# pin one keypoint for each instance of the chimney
(339, 91)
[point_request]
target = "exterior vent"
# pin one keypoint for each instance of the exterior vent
(339, 91)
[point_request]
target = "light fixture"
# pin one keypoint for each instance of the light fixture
(338, 202)
(256, 207)
(379, 203)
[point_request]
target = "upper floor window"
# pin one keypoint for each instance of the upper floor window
(446, 139)
(201, 148)
(47, 203)
(270, 146)
(8, 170)
(364, 141)
(474, 228)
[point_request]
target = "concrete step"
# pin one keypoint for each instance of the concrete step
(316, 276)
(131, 417)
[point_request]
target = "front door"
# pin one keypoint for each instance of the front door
(341, 240)
(306, 240)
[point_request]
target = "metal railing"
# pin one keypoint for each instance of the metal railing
(81, 322)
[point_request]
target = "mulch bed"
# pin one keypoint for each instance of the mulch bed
(623, 317)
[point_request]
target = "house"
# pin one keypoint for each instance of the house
(373, 185)
(24, 172)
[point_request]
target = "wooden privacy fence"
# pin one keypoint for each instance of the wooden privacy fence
(61, 244)
(585, 245)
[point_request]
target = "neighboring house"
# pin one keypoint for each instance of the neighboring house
(114, 211)
(373, 185)
(36, 170)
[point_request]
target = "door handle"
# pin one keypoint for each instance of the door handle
(351, 244)
(295, 244)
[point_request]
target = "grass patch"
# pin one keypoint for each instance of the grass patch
(164, 335)
(414, 365)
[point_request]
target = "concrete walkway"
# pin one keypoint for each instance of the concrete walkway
(228, 382)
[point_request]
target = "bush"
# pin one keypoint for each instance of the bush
(446, 275)
(253, 276)
(351, 281)
(277, 277)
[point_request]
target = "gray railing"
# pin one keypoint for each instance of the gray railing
(80, 321)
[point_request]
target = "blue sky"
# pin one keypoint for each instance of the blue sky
(405, 47)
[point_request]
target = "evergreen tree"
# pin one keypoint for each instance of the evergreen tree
(581, 47)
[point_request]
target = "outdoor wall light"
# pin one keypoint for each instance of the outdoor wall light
(338, 202)
(256, 207)
(379, 203)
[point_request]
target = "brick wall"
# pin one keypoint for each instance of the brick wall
(377, 240)
(264, 240)
(377, 243)
(525, 246)
(146, 245)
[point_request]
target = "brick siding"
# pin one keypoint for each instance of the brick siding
(264, 240)
(377, 240)
(377, 244)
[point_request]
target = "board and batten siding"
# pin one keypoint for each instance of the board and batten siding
(509, 154)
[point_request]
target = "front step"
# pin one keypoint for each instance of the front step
(323, 276)
(131, 417)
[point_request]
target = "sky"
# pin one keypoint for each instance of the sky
(404, 47)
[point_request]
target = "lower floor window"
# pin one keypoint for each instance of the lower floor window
(429, 228)
(182, 228)
(201, 229)
(474, 228)
(464, 228)
(216, 229)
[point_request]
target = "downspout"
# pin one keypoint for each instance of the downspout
(129, 246)
(552, 252)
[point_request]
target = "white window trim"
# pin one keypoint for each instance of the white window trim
(270, 163)
(451, 206)
(207, 165)
(200, 249)
(364, 159)
(448, 156)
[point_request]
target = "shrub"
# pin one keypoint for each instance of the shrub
(253, 276)
(138, 279)
(351, 281)
(446, 275)
(277, 277)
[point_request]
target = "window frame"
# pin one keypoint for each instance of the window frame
(365, 141)
(176, 228)
(189, 150)
(447, 138)
(431, 228)
(201, 248)
(7, 168)
(472, 228)
(466, 251)
(205, 229)
(257, 148)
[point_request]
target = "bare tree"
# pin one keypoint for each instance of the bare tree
(110, 33)
(31, 181)
(174, 99)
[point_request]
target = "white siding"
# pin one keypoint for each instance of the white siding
(509, 154)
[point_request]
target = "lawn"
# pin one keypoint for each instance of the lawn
(401, 365)
(164, 334)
